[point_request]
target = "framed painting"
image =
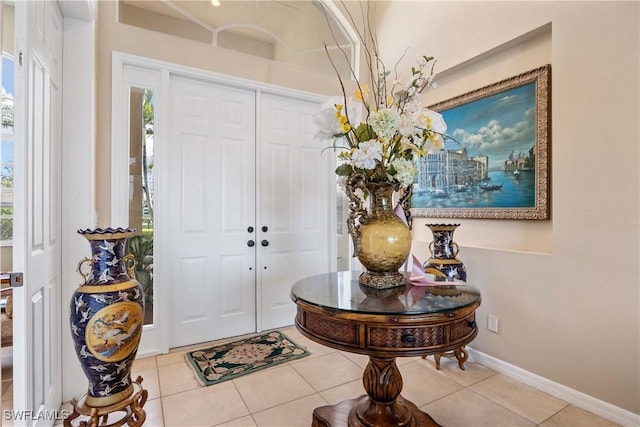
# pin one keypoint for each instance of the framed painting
(495, 162)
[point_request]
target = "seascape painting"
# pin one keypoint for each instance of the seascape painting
(494, 163)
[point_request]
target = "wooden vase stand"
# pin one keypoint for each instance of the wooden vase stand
(460, 354)
(130, 409)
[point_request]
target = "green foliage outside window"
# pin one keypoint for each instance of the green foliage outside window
(6, 223)
(141, 247)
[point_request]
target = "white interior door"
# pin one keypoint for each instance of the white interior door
(211, 181)
(37, 221)
(296, 197)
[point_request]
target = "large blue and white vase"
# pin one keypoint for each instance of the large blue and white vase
(107, 313)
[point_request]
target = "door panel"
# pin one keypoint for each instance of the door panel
(37, 321)
(294, 204)
(211, 181)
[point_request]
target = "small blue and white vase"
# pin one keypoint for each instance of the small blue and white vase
(107, 313)
(443, 263)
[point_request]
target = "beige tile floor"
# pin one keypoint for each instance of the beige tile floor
(286, 395)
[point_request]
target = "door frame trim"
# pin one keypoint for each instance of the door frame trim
(120, 155)
(78, 177)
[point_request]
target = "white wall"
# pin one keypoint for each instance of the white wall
(566, 290)
(78, 177)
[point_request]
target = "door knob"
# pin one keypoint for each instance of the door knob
(265, 228)
(250, 229)
(265, 243)
(250, 243)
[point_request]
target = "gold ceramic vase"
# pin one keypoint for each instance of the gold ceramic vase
(382, 241)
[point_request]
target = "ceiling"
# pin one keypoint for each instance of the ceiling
(241, 16)
(293, 31)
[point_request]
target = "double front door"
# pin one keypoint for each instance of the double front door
(249, 212)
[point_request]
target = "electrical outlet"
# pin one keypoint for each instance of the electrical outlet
(492, 323)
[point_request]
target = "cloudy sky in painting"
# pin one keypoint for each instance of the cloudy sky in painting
(495, 125)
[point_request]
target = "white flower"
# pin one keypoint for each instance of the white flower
(327, 124)
(408, 144)
(432, 120)
(434, 143)
(354, 110)
(326, 119)
(405, 170)
(406, 126)
(383, 146)
(411, 107)
(384, 123)
(367, 154)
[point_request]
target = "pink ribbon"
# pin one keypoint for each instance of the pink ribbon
(417, 277)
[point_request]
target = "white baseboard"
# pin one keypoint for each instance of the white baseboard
(569, 395)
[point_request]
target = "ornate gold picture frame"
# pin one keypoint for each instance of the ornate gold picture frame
(495, 164)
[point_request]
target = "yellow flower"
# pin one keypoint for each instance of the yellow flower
(429, 122)
(345, 126)
(390, 101)
(362, 93)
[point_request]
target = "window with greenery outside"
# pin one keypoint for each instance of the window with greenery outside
(6, 165)
(141, 207)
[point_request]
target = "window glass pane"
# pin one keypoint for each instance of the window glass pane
(141, 190)
(6, 153)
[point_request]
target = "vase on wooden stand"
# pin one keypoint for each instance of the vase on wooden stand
(107, 312)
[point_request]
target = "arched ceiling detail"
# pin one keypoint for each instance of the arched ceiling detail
(294, 32)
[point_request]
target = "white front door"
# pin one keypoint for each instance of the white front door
(295, 204)
(37, 222)
(249, 211)
(211, 185)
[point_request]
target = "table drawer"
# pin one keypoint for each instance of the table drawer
(334, 330)
(390, 337)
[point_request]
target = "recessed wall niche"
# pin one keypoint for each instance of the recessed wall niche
(529, 51)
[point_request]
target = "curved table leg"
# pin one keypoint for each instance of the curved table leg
(382, 406)
(462, 355)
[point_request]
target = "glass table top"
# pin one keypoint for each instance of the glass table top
(342, 291)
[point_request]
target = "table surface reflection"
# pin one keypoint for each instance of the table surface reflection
(342, 291)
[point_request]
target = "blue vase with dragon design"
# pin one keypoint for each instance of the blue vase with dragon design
(107, 313)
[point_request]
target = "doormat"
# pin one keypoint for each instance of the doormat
(213, 365)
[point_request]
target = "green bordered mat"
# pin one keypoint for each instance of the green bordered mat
(225, 362)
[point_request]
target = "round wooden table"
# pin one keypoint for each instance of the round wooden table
(336, 311)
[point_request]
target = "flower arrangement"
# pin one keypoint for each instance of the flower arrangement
(396, 129)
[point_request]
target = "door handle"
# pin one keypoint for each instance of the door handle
(250, 243)
(15, 279)
(265, 243)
